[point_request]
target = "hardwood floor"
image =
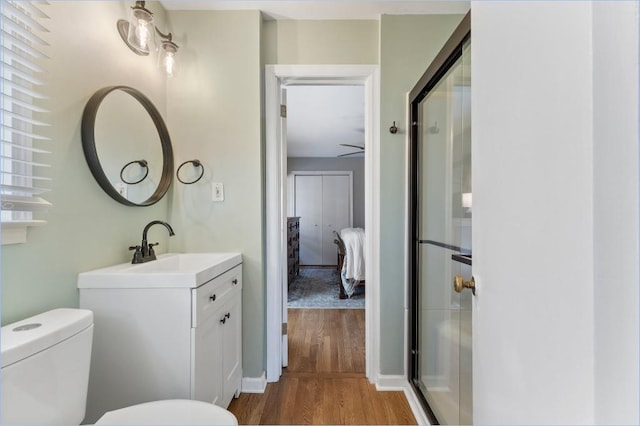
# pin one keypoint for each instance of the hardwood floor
(324, 382)
(326, 341)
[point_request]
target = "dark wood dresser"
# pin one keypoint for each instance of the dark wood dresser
(293, 248)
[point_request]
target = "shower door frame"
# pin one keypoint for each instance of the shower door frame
(445, 59)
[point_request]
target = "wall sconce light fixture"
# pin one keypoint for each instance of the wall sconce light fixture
(139, 33)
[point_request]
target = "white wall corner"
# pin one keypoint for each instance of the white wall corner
(254, 384)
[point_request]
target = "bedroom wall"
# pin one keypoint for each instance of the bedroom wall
(356, 165)
(86, 229)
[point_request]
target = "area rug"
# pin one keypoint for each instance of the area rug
(318, 288)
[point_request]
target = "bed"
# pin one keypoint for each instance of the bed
(350, 242)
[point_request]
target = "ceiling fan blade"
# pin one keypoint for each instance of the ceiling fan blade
(352, 146)
(351, 153)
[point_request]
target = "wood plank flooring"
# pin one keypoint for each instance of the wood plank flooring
(326, 341)
(324, 382)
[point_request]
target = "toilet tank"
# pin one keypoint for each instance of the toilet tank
(45, 368)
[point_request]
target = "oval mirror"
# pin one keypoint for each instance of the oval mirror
(127, 146)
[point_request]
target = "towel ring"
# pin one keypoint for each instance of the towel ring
(196, 163)
(142, 163)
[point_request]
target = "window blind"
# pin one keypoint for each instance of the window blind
(24, 149)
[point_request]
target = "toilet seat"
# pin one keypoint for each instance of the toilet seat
(169, 412)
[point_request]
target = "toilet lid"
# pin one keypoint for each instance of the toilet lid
(169, 412)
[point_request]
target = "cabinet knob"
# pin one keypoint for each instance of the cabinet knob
(212, 298)
(235, 281)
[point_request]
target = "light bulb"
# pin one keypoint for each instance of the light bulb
(167, 56)
(142, 35)
(141, 30)
(169, 63)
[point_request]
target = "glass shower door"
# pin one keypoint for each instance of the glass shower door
(442, 332)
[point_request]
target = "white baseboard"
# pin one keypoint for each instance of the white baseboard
(400, 383)
(391, 383)
(254, 384)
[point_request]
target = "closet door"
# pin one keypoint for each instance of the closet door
(308, 205)
(335, 213)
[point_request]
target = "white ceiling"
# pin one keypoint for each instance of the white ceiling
(322, 9)
(320, 118)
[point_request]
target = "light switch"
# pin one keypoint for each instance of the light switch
(218, 192)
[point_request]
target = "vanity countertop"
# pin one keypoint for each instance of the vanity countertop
(168, 271)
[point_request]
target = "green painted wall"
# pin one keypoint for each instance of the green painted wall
(408, 44)
(86, 229)
(213, 108)
(214, 112)
(294, 42)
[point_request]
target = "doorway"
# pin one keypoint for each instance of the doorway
(277, 76)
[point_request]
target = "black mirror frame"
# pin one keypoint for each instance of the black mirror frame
(91, 154)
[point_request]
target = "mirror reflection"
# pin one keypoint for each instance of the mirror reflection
(125, 135)
(127, 146)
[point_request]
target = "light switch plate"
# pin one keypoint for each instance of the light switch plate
(217, 191)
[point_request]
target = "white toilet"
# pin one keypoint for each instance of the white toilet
(45, 374)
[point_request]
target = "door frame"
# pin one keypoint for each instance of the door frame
(277, 76)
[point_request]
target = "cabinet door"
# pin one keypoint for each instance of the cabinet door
(206, 377)
(336, 213)
(231, 346)
(308, 204)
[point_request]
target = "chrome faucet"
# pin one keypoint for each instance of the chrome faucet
(144, 252)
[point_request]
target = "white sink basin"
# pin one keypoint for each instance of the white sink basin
(169, 270)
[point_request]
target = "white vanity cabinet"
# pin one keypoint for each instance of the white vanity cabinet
(164, 341)
(217, 328)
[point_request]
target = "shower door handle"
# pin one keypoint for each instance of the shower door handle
(460, 284)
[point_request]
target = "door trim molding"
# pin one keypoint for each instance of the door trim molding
(275, 154)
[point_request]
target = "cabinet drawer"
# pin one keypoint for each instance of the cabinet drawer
(208, 297)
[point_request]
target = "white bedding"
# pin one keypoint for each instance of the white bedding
(353, 266)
